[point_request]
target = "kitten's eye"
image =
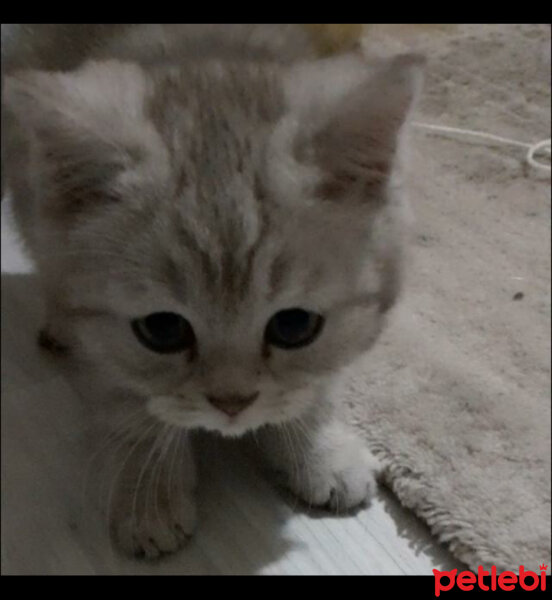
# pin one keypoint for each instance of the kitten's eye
(293, 328)
(164, 332)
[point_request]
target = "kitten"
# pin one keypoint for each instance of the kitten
(216, 221)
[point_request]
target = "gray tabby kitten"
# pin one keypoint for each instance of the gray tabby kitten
(216, 218)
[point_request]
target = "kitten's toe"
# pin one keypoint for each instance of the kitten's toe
(158, 531)
(341, 482)
(354, 485)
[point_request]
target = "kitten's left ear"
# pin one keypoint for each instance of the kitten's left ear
(82, 128)
(350, 116)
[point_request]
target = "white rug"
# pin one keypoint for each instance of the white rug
(456, 397)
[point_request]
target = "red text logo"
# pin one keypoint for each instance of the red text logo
(507, 580)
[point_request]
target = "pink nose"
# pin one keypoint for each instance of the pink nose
(233, 403)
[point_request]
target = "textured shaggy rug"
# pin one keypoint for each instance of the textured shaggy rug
(456, 398)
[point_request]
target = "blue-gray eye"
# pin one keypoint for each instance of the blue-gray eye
(164, 332)
(293, 328)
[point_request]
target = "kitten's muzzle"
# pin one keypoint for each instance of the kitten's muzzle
(232, 404)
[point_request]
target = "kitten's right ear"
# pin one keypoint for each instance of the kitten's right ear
(79, 127)
(350, 114)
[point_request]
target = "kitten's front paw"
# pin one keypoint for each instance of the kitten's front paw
(339, 479)
(145, 528)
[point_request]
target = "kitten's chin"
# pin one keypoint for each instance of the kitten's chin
(168, 410)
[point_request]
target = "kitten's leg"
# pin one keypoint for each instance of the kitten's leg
(321, 460)
(152, 507)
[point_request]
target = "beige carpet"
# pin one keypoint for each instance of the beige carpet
(456, 398)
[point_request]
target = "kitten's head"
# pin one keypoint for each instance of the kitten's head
(226, 237)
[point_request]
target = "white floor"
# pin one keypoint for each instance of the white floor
(247, 527)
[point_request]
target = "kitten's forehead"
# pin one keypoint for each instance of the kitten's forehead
(223, 235)
(215, 124)
(291, 259)
(214, 121)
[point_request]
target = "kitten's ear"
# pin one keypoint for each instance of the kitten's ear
(350, 116)
(79, 129)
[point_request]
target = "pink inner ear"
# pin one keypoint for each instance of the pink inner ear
(85, 130)
(352, 162)
(355, 154)
(356, 147)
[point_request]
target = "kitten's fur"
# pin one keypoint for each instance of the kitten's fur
(222, 174)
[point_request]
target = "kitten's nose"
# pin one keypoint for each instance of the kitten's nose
(232, 404)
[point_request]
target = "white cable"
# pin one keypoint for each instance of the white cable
(532, 149)
(545, 147)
